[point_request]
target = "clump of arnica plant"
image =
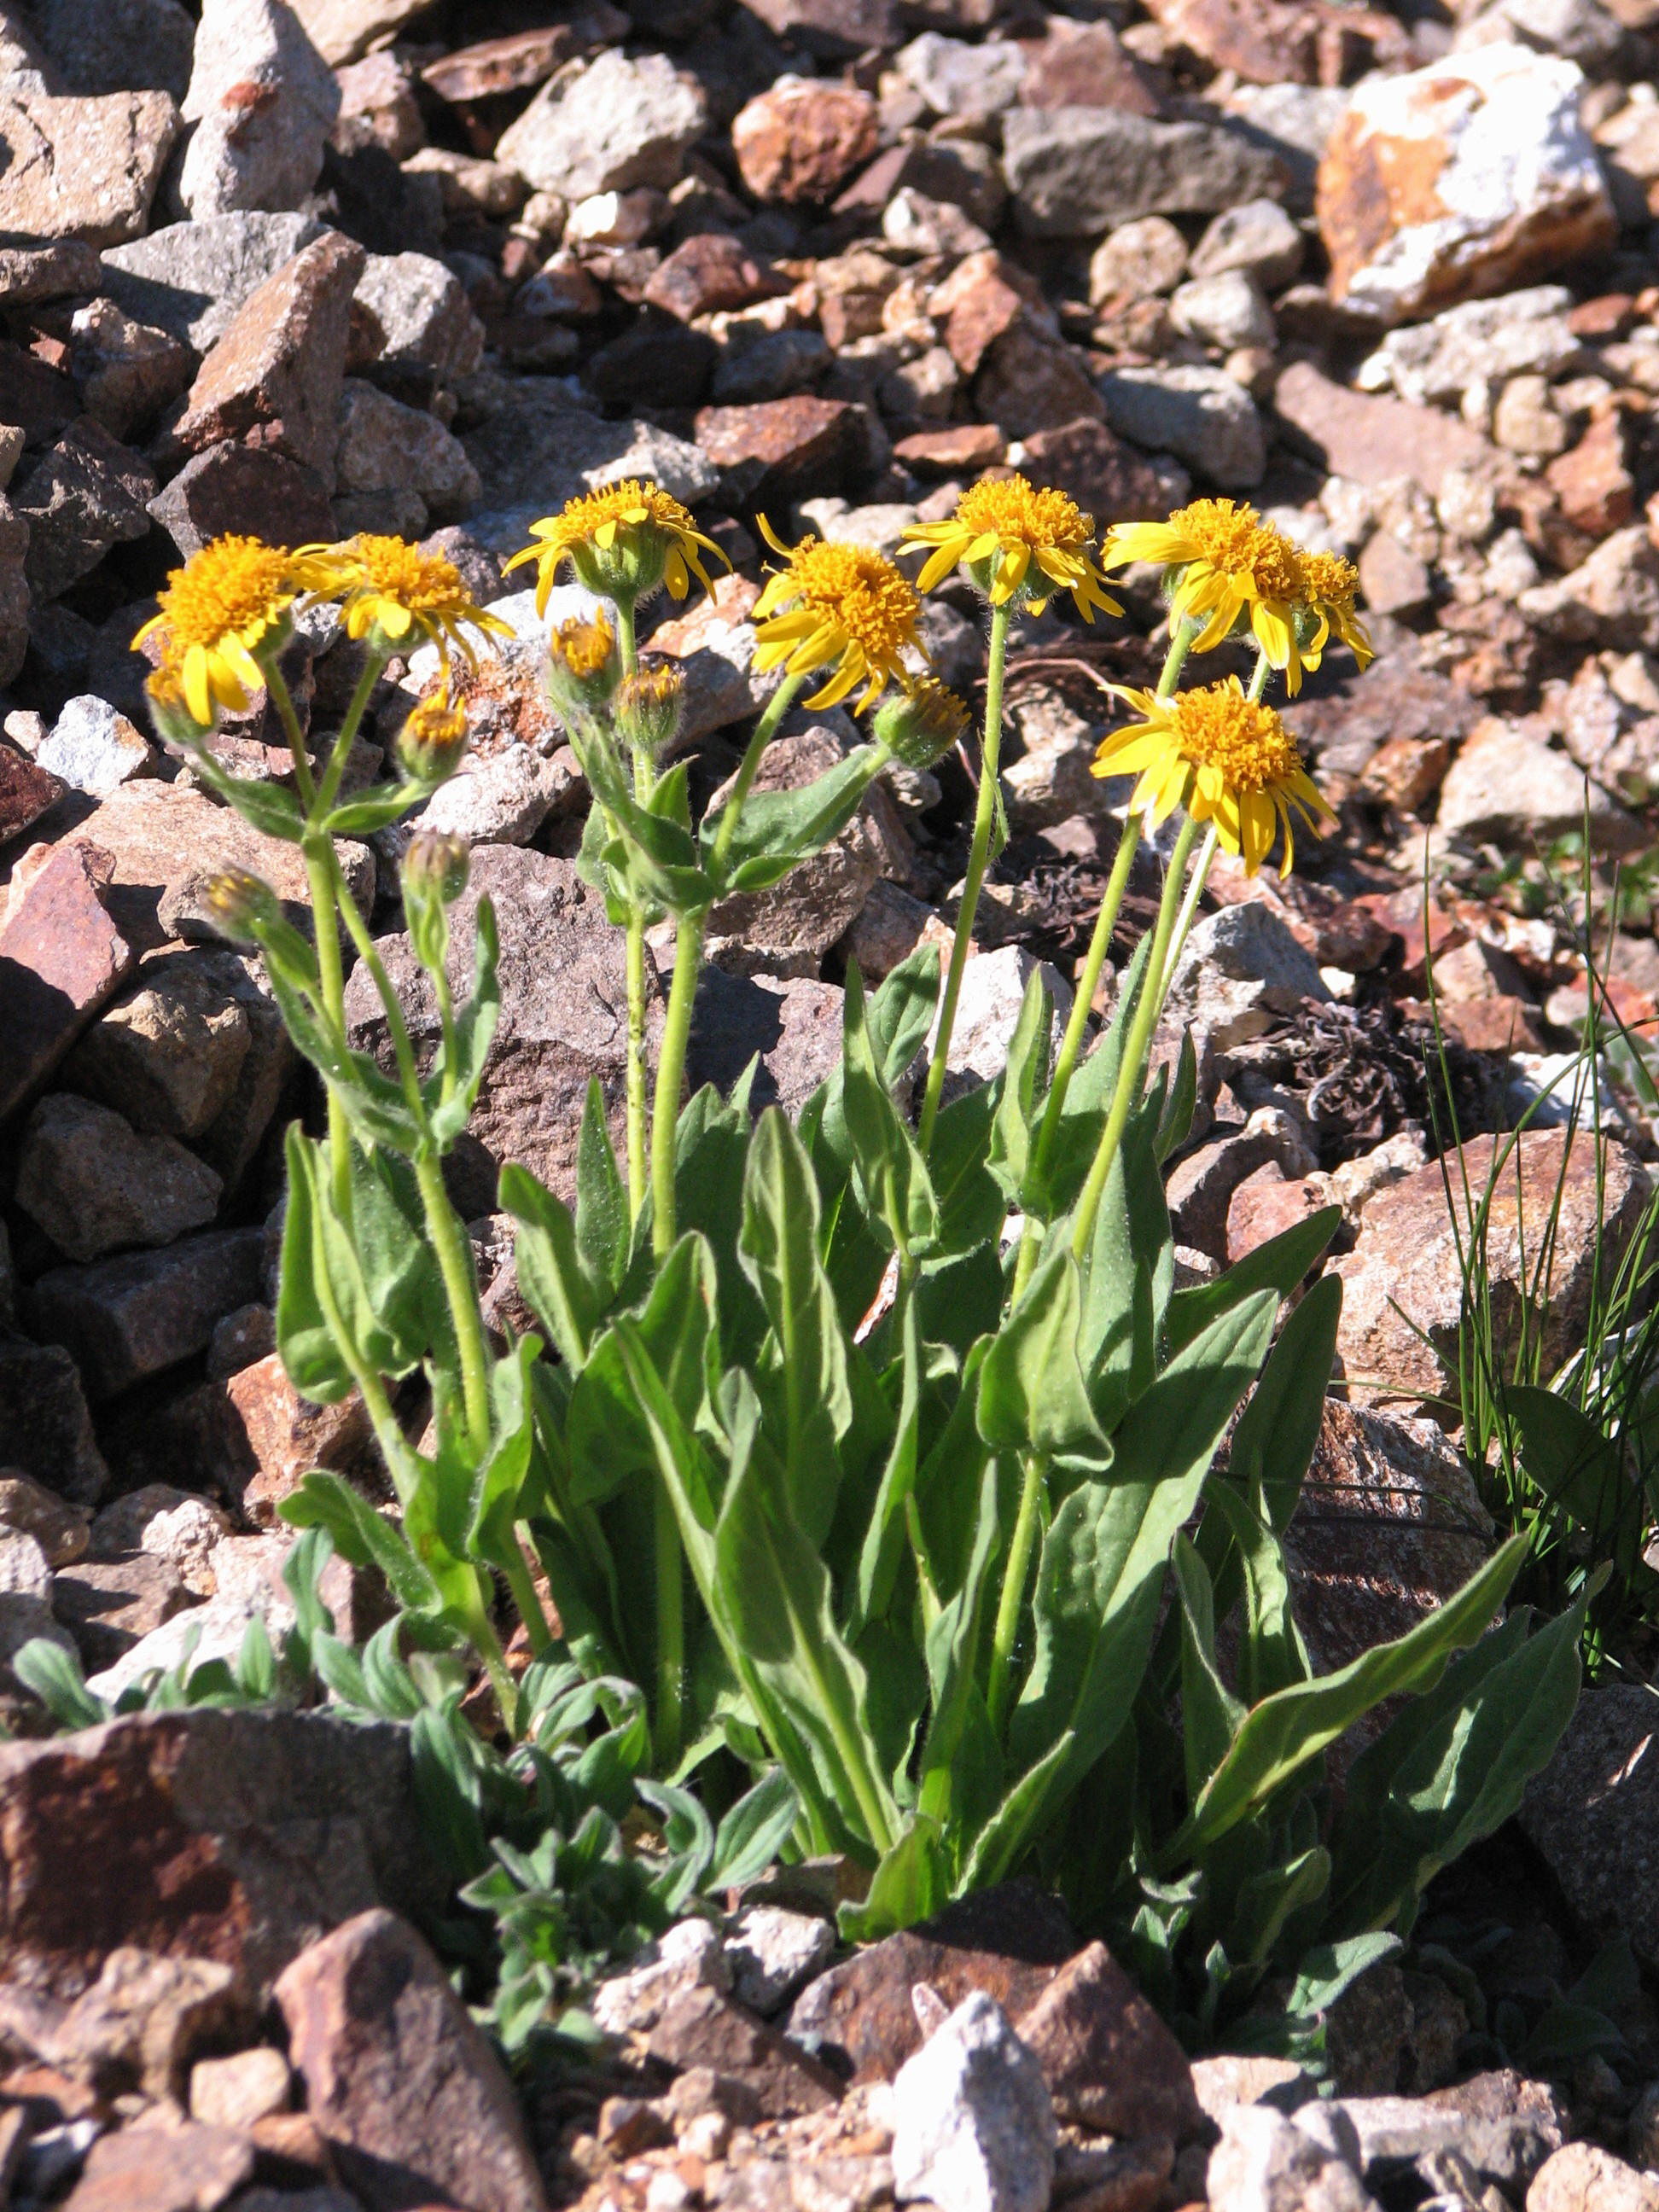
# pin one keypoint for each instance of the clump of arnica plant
(858, 1491)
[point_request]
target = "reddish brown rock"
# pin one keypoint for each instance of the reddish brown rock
(800, 143)
(411, 2098)
(1109, 479)
(983, 296)
(186, 2168)
(1503, 1023)
(522, 59)
(1594, 481)
(1393, 580)
(276, 376)
(782, 449)
(238, 1837)
(27, 791)
(40, 399)
(701, 2027)
(1030, 382)
(285, 1437)
(244, 489)
(108, 1605)
(1405, 773)
(836, 30)
(1087, 65)
(1371, 437)
(61, 957)
(89, 493)
(961, 448)
(1394, 699)
(1010, 1941)
(1264, 41)
(58, 272)
(1404, 1277)
(82, 168)
(950, 170)
(705, 274)
(1109, 2062)
(1265, 1205)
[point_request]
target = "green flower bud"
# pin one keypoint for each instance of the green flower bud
(432, 741)
(649, 707)
(919, 725)
(241, 904)
(583, 665)
(438, 863)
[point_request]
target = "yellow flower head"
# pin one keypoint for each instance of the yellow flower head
(585, 647)
(1328, 587)
(241, 903)
(623, 542)
(921, 723)
(1229, 563)
(389, 584)
(1226, 758)
(432, 740)
(226, 601)
(844, 607)
(1018, 542)
(649, 707)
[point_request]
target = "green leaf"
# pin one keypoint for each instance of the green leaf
(548, 1260)
(361, 1535)
(1573, 1463)
(909, 1884)
(953, 1641)
(474, 1029)
(1101, 1573)
(445, 1790)
(1328, 1970)
(1270, 1653)
(603, 1229)
(1279, 1265)
(316, 1364)
(1452, 1766)
(1176, 1122)
(1210, 1713)
(971, 1208)
(1279, 1430)
(889, 1166)
(1031, 1393)
(1023, 1075)
(373, 810)
(901, 1012)
(884, 1533)
(607, 1436)
(1019, 1817)
(53, 1673)
(1130, 1277)
(272, 808)
(755, 1831)
(779, 829)
(1285, 1732)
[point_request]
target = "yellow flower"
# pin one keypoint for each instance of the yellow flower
(623, 542)
(1230, 560)
(214, 612)
(389, 583)
(1017, 542)
(921, 723)
(1226, 758)
(1328, 586)
(585, 647)
(840, 606)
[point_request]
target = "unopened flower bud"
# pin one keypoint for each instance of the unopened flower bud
(583, 664)
(241, 903)
(919, 725)
(432, 739)
(436, 866)
(174, 723)
(649, 707)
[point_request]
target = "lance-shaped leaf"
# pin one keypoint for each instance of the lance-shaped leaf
(1210, 1714)
(475, 1028)
(889, 1164)
(561, 1294)
(606, 1433)
(778, 830)
(1031, 1391)
(604, 1231)
(1017, 1086)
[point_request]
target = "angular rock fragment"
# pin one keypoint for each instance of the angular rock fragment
(127, 1318)
(95, 1186)
(190, 278)
(84, 168)
(608, 127)
(89, 493)
(1074, 172)
(974, 2125)
(62, 958)
(264, 101)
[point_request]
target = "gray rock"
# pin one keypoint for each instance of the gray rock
(974, 2126)
(1225, 310)
(1140, 259)
(1241, 967)
(264, 101)
(126, 1318)
(127, 371)
(917, 224)
(1200, 1186)
(1259, 237)
(1512, 787)
(502, 798)
(819, 900)
(1578, 30)
(213, 1630)
(539, 452)
(85, 495)
(116, 45)
(45, 1420)
(95, 1186)
(1611, 599)
(385, 446)
(190, 278)
(689, 1957)
(26, 1581)
(1199, 415)
(564, 1001)
(792, 1026)
(608, 127)
(422, 308)
(1052, 779)
(84, 168)
(993, 991)
(1292, 122)
(1524, 332)
(93, 748)
(1582, 2177)
(1590, 1816)
(773, 1952)
(956, 78)
(1074, 172)
(344, 29)
(1264, 2163)
(770, 368)
(168, 1052)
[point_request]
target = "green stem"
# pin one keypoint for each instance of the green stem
(635, 1083)
(331, 972)
(461, 1288)
(776, 707)
(357, 930)
(671, 1070)
(1189, 911)
(978, 856)
(1006, 1631)
(522, 1583)
(626, 644)
(373, 665)
(670, 1630)
(278, 691)
(1135, 1049)
(1258, 676)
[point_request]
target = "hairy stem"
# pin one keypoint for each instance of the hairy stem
(373, 665)
(749, 767)
(1006, 1634)
(461, 1283)
(1135, 1048)
(978, 857)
